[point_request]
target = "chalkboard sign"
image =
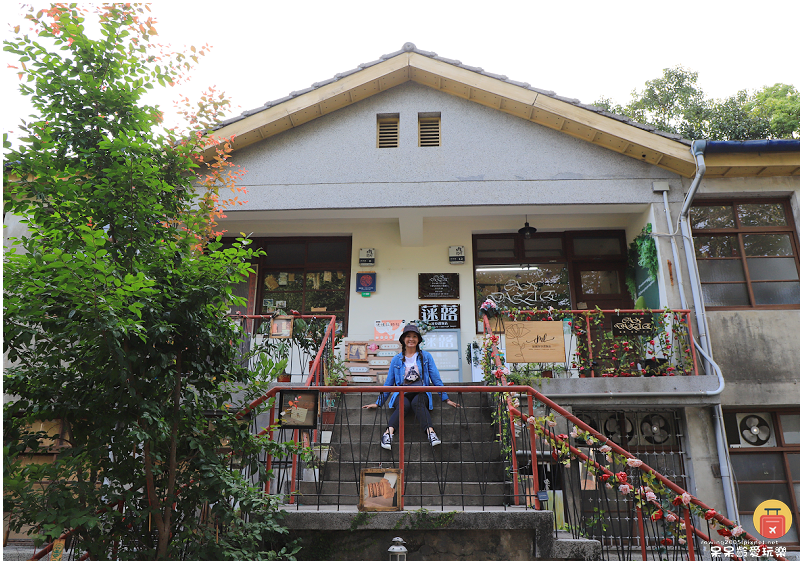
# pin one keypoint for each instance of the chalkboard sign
(439, 285)
(631, 325)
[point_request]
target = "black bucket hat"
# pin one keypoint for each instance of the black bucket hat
(410, 328)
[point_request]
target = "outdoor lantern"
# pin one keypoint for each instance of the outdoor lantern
(397, 551)
(527, 231)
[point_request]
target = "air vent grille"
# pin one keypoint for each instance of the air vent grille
(430, 132)
(388, 133)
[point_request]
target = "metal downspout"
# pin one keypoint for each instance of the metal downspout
(698, 148)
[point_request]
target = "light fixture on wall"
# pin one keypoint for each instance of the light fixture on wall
(527, 231)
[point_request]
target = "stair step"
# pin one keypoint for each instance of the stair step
(417, 451)
(416, 493)
(450, 472)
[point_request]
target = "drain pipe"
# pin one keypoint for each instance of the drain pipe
(698, 150)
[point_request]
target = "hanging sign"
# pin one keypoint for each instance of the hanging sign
(438, 285)
(441, 316)
(535, 341)
(632, 324)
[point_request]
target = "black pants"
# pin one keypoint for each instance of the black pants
(416, 402)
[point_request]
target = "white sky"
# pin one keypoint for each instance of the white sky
(579, 49)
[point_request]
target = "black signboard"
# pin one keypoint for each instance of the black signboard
(440, 285)
(631, 324)
(441, 316)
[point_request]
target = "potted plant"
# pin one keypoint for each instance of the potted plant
(282, 354)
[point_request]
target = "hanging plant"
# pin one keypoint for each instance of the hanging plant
(642, 252)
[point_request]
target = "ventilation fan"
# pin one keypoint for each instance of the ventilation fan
(755, 429)
(656, 430)
(590, 422)
(618, 426)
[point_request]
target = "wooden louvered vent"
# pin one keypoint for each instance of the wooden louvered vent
(388, 132)
(429, 132)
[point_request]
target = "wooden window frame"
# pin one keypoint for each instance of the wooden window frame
(739, 231)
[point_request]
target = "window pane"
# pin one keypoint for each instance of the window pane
(767, 245)
(725, 295)
(791, 434)
(331, 301)
(326, 280)
(600, 282)
(720, 270)
(716, 247)
(285, 253)
(537, 286)
(495, 248)
(328, 251)
(544, 247)
(281, 281)
(794, 461)
(754, 215)
(772, 268)
(751, 495)
(712, 217)
(766, 466)
(273, 301)
(776, 293)
(597, 246)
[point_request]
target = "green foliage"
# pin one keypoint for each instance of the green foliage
(115, 303)
(675, 103)
(642, 252)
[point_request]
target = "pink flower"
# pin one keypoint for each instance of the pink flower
(686, 497)
(625, 489)
(574, 433)
(531, 420)
(737, 531)
(551, 423)
(609, 486)
(681, 540)
(590, 441)
(634, 462)
(650, 496)
(671, 517)
(605, 449)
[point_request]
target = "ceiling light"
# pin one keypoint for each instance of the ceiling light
(527, 231)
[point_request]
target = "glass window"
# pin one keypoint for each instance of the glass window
(790, 422)
(495, 248)
(747, 242)
(543, 247)
(768, 466)
(524, 287)
(597, 246)
(600, 282)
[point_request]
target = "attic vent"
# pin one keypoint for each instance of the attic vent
(388, 130)
(430, 129)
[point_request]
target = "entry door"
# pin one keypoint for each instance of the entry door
(601, 284)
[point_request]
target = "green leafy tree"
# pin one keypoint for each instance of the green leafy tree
(115, 303)
(675, 103)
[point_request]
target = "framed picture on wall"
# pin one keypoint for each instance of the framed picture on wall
(380, 490)
(281, 327)
(355, 352)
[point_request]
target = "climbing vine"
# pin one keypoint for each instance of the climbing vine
(642, 252)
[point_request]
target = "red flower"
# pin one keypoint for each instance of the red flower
(666, 542)
(604, 477)
(724, 532)
(554, 454)
(710, 514)
(563, 437)
(657, 515)
(677, 501)
(622, 477)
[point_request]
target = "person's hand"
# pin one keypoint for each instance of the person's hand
(370, 406)
(451, 403)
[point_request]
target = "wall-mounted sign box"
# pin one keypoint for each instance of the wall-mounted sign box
(445, 348)
(366, 257)
(441, 316)
(366, 282)
(457, 254)
(438, 285)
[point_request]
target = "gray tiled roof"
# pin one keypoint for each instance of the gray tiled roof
(410, 47)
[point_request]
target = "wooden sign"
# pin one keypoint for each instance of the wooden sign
(441, 316)
(535, 341)
(438, 285)
(631, 325)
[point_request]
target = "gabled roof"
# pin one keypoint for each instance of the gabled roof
(588, 123)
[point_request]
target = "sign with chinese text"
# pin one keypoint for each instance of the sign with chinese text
(439, 285)
(457, 254)
(631, 325)
(535, 341)
(366, 282)
(388, 329)
(366, 257)
(441, 316)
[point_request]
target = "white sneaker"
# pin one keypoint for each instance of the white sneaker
(434, 440)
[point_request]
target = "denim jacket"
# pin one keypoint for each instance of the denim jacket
(430, 377)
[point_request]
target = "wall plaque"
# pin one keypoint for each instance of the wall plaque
(441, 316)
(438, 285)
(535, 341)
(631, 325)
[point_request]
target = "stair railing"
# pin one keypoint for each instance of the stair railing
(644, 486)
